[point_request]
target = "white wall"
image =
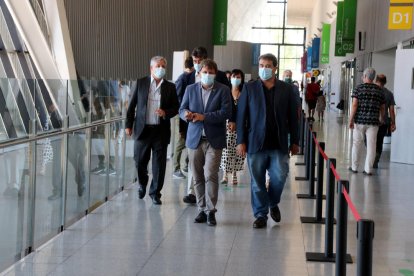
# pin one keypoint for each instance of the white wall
(383, 62)
(235, 55)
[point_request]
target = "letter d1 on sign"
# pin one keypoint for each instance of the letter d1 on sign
(400, 15)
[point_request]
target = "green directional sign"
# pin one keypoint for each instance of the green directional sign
(349, 25)
(326, 40)
(220, 22)
(339, 51)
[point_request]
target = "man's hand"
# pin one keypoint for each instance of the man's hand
(351, 124)
(294, 149)
(231, 126)
(393, 127)
(197, 117)
(160, 112)
(241, 150)
(128, 131)
(189, 115)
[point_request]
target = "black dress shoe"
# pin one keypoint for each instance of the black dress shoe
(141, 192)
(260, 222)
(156, 200)
(354, 171)
(190, 199)
(275, 213)
(211, 219)
(201, 218)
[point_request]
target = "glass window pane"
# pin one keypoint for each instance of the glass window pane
(294, 36)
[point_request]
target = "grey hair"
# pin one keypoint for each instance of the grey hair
(157, 59)
(370, 73)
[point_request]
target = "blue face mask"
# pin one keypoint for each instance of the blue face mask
(197, 67)
(159, 72)
(235, 82)
(207, 79)
(265, 73)
(288, 80)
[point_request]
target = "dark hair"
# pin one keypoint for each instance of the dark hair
(210, 64)
(199, 52)
(228, 72)
(270, 57)
(239, 72)
(381, 78)
(188, 63)
(313, 79)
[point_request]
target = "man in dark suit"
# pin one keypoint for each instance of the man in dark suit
(267, 112)
(198, 54)
(206, 106)
(153, 104)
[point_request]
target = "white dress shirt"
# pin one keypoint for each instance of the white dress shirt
(154, 100)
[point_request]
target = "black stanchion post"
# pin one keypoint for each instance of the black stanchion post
(311, 168)
(341, 230)
(365, 235)
(302, 131)
(308, 131)
(329, 208)
(305, 144)
(328, 255)
(319, 186)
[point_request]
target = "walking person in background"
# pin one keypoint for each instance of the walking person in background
(367, 113)
(389, 119)
(182, 125)
(153, 103)
(312, 91)
(320, 105)
(231, 162)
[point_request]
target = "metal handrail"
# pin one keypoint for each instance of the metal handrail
(28, 139)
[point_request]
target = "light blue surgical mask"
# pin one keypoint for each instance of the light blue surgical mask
(288, 80)
(197, 67)
(235, 82)
(207, 79)
(159, 72)
(265, 73)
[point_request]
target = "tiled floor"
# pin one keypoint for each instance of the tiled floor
(129, 236)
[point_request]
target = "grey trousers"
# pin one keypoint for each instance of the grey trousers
(205, 163)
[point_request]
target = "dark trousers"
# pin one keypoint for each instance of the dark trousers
(151, 140)
(382, 131)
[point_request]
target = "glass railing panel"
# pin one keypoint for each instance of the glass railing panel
(79, 99)
(14, 203)
(99, 165)
(77, 179)
(104, 99)
(49, 183)
(130, 168)
(115, 152)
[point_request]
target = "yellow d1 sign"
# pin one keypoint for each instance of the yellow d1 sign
(401, 15)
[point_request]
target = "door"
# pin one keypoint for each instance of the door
(402, 146)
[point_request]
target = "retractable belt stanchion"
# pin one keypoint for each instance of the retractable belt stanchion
(341, 231)
(304, 140)
(311, 169)
(302, 132)
(328, 255)
(308, 131)
(365, 235)
(319, 191)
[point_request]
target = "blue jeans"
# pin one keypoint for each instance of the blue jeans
(277, 164)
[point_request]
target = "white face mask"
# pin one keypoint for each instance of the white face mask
(197, 67)
(159, 72)
(207, 79)
(235, 82)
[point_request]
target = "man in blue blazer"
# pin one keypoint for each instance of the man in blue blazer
(152, 105)
(206, 106)
(267, 112)
(198, 55)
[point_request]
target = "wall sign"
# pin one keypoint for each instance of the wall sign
(401, 15)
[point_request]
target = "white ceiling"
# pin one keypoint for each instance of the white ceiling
(299, 12)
